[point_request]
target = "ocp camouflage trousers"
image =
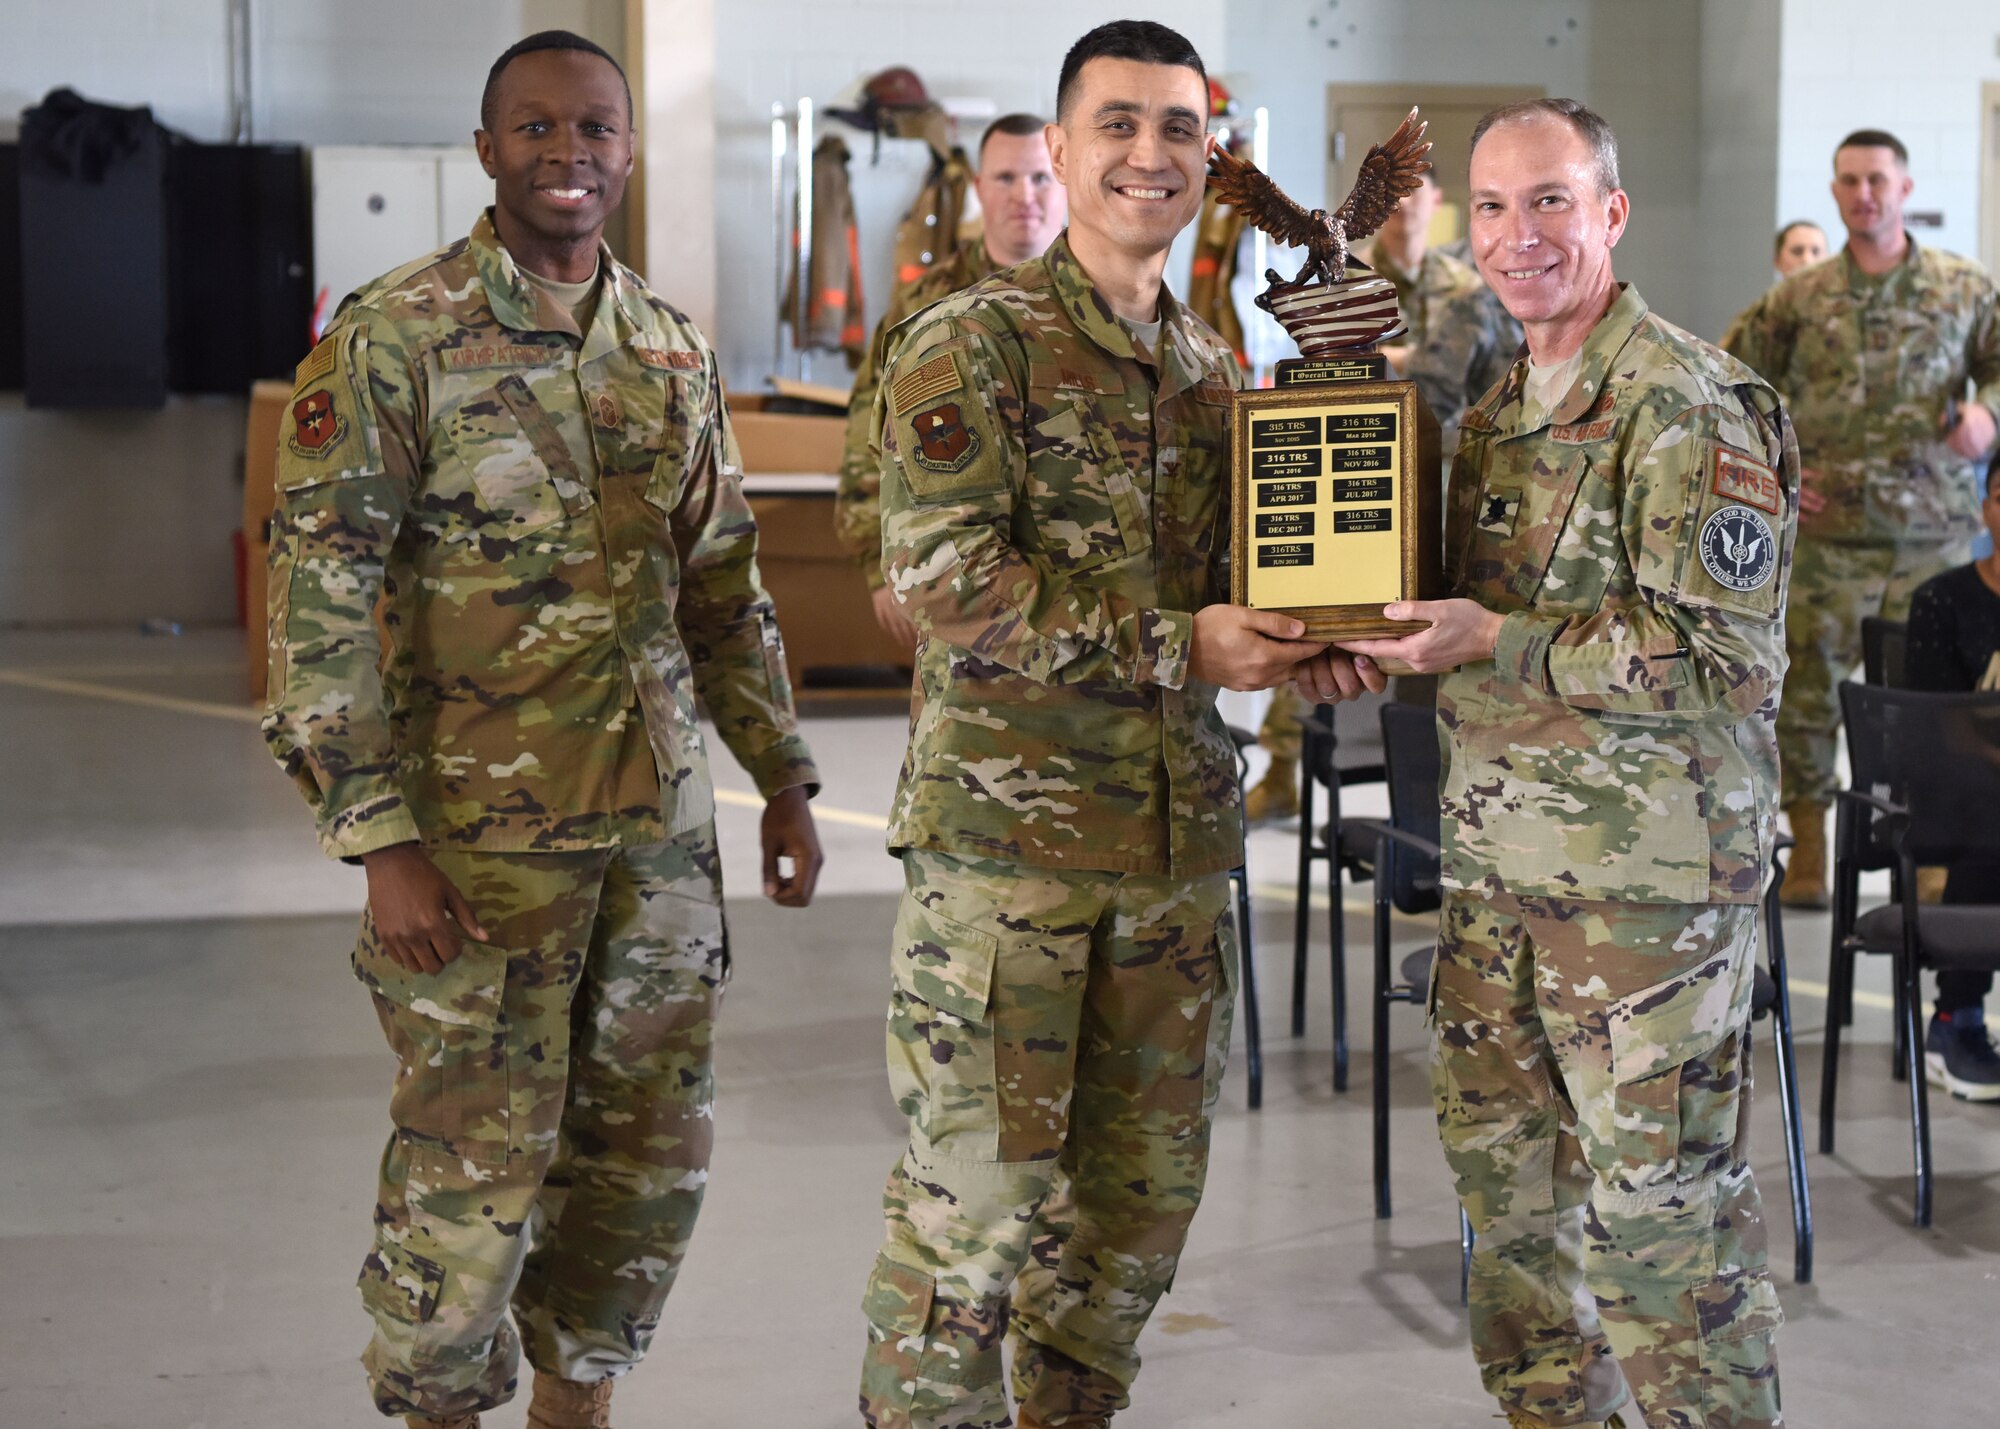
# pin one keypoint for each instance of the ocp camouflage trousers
(1591, 1082)
(553, 1111)
(1056, 1039)
(1835, 585)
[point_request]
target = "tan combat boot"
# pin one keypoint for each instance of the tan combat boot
(1275, 796)
(462, 1421)
(1517, 1420)
(566, 1404)
(1805, 869)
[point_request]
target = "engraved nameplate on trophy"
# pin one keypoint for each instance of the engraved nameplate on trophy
(1337, 504)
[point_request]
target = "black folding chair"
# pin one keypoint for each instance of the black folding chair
(1239, 879)
(1405, 859)
(1860, 845)
(1882, 644)
(1345, 858)
(1937, 808)
(1772, 998)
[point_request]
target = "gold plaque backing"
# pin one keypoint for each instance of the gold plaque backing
(1336, 505)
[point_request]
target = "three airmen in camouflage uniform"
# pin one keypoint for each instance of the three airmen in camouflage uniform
(1620, 525)
(1054, 485)
(1874, 352)
(523, 453)
(1023, 208)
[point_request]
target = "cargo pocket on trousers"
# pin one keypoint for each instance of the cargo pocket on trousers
(448, 1030)
(1675, 1054)
(1737, 1318)
(927, 1339)
(941, 1038)
(399, 1287)
(1222, 1008)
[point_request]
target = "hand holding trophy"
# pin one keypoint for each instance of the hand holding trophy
(1336, 490)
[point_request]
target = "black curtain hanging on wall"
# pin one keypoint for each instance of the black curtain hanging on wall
(149, 263)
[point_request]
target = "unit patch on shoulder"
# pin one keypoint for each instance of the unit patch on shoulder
(944, 442)
(316, 427)
(931, 379)
(1738, 549)
(1743, 478)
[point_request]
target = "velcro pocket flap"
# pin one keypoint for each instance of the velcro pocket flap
(898, 1300)
(1684, 1017)
(1737, 1306)
(399, 1285)
(943, 962)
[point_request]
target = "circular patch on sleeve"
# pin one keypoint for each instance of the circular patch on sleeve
(1737, 549)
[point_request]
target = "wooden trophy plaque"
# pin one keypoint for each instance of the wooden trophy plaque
(1336, 499)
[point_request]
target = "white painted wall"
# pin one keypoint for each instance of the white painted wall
(326, 71)
(113, 518)
(1739, 215)
(1851, 65)
(1638, 64)
(777, 51)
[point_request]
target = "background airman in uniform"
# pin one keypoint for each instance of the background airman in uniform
(1023, 208)
(1873, 352)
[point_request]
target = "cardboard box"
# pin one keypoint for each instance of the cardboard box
(783, 441)
(824, 611)
(268, 402)
(257, 617)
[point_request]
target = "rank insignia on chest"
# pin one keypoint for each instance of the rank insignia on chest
(604, 407)
(1738, 549)
(1498, 511)
(316, 426)
(944, 442)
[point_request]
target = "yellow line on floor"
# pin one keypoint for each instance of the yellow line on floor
(1861, 999)
(29, 680)
(248, 714)
(823, 813)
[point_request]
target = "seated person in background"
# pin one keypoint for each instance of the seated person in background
(1954, 644)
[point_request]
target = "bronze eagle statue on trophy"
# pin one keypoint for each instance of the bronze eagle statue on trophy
(1390, 171)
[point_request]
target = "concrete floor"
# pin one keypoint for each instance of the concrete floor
(193, 1098)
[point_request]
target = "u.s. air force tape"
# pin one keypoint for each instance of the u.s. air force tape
(1738, 550)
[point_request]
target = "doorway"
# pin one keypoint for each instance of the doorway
(1359, 115)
